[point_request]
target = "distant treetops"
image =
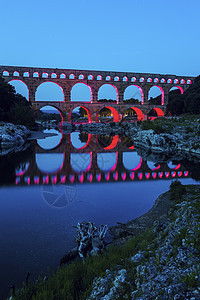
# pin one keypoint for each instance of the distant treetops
(14, 108)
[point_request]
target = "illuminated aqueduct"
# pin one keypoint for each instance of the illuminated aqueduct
(66, 79)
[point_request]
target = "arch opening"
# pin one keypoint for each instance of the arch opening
(107, 161)
(16, 74)
(156, 95)
(108, 92)
(48, 116)
(131, 161)
(156, 112)
(45, 75)
(81, 162)
(35, 74)
(176, 90)
(20, 87)
(134, 94)
(53, 75)
(49, 91)
(26, 74)
(62, 76)
(81, 92)
(6, 73)
(108, 114)
(49, 163)
(80, 114)
(80, 140)
(139, 113)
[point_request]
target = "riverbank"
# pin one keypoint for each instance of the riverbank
(161, 261)
(15, 138)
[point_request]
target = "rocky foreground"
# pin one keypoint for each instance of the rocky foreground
(169, 266)
(12, 137)
(167, 136)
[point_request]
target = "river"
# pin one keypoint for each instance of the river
(65, 179)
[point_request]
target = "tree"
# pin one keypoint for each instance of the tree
(14, 107)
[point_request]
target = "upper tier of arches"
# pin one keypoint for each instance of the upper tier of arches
(96, 76)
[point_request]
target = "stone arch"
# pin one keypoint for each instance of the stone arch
(161, 92)
(52, 105)
(162, 80)
(139, 113)
(6, 73)
(90, 77)
(99, 77)
(133, 79)
(149, 79)
(71, 76)
(62, 76)
(116, 116)
(176, 81)
(20, 87)
(36, 75)
(130, 92)
(189, 81)
(158, 111)
(81, 90)
(86, 109)
(108, 89)
(16, 74)
(81, 77)
(116, 78)
(45, 75)
(108, 78)
(169, 80)
(182, 81)
(156, 80)
(142, 79)
(177, 87)
(125, 78)
(26, 74)
(48, 91)
(53, 75)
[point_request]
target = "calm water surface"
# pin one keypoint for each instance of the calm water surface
(63, 180)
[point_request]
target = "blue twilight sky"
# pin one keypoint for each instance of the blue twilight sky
(156, 36)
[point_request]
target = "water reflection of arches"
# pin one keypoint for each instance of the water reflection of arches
(131, 161)
(80, 140)
(51, 142)
(81, 162)
(22, 168)
(107, 161)
(49, 162)
(108, 142)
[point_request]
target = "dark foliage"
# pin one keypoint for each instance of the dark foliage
(14, 107)
(188, 102)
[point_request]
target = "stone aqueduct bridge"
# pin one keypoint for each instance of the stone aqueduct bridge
(67, 78)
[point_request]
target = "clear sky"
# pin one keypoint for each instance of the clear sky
(156, 36)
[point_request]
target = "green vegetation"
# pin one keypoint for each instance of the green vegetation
(107, 100)
(188, 102)
(14, 107)
(176, 190)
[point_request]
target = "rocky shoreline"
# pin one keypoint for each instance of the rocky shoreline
(168, 267)
(15, 138)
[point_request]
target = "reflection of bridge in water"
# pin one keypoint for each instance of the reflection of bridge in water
(94, 163)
